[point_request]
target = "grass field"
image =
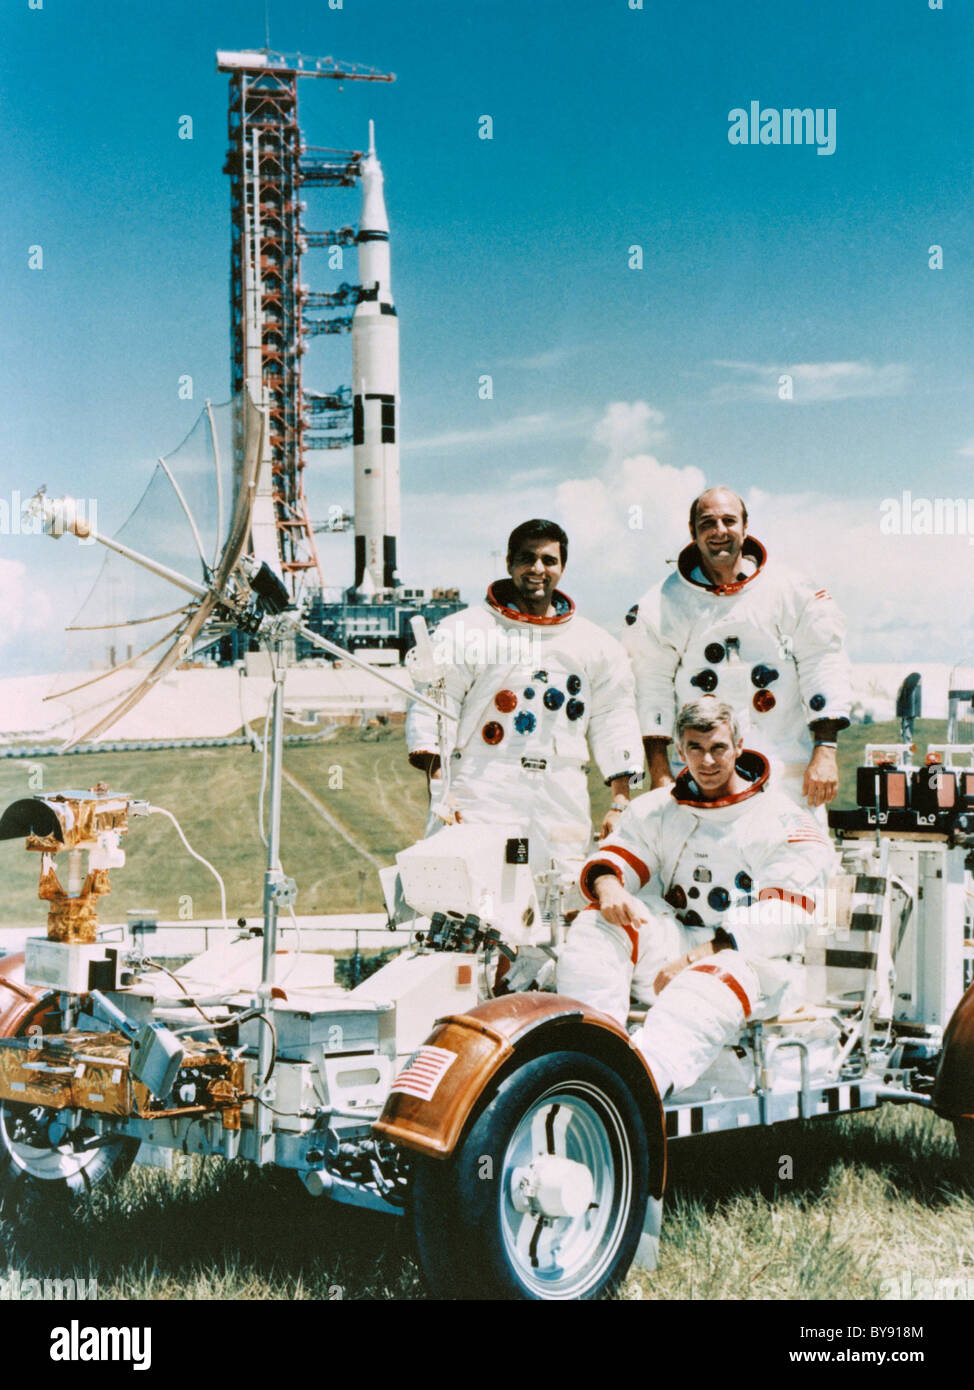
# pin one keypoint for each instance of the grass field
(872, 1199)
(213, 792)
(869, 1198)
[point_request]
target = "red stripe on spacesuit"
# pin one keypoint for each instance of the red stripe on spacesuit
(515, 615)
(637, 865)
(633, 935)
(632, 860)
(631, 932)
(597, 864)
(705, 968)
(680, 791)
(785, 896)
(689, 559)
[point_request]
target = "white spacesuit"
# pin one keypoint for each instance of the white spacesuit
(746, 871)
(770, 645)
(531, 694)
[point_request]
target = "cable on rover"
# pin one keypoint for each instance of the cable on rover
(161, 811)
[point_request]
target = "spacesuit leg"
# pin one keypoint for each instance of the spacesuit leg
(699, 1012)
(595, 966)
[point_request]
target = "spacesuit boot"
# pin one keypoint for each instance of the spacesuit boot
(699, 1012)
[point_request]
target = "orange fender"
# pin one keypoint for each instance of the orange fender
(17, 1000)
(953, 1091)
(491, 1039)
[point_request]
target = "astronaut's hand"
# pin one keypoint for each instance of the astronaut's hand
(821, 777)
(670, 972)
(660, 778)
(617, 905)
(610, 821)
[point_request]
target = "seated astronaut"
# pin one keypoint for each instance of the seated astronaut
(697, 901)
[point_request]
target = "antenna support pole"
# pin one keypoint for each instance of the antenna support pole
(277, 892)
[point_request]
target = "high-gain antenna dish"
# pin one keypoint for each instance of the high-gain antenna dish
(169, 570)
(187, 579)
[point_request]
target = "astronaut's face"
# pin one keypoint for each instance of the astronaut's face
(720, 529)
(711, 758)
(535, 571)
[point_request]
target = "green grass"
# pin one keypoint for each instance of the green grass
(872, 1198)
(213, 793)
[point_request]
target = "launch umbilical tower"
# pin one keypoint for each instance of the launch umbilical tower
(268, 164)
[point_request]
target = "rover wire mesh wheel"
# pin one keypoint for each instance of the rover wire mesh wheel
(545, 1195)
(40, 1153)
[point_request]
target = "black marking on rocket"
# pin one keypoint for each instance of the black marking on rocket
(359, 560)
(389, 562)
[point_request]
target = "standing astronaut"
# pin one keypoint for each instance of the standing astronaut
(698, 897)
(767, 641)
(532, 684)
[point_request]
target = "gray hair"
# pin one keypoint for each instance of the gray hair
(704, 715)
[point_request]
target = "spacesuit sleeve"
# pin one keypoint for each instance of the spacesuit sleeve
(613, 728)
(422, 734)
(654, 666)
(824, 673)
(791, 860)
(631, 852)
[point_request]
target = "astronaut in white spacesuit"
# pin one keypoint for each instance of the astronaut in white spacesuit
(534, 686)
(697, 899)
(766, 641)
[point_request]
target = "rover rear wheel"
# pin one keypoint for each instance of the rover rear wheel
(41, 1152)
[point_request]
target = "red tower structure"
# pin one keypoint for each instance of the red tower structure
(268, 163)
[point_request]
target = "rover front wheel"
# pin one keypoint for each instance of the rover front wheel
(545, 1196)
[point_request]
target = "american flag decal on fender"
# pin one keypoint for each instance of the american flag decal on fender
(424, 1071)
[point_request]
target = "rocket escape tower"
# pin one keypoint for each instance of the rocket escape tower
(270, 319)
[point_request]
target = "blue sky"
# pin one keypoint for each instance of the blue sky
(613, 387)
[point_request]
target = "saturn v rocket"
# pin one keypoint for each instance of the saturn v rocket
(375, 403)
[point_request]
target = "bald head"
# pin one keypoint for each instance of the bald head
(718, 525)
(716, 501)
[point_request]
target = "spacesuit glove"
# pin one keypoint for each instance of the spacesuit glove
(531, 966)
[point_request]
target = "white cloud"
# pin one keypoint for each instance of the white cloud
(543, 361)
(966, 451)
(509, 431)
(30, 628)
(628, 428)
(813, 382)
(904, 596)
